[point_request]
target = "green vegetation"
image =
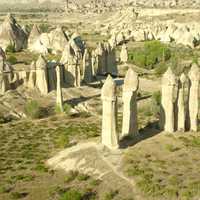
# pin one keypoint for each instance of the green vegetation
(26, 145)
(71, 195)
(156, 56)
(44, 28)
(10, 48)
(154, 52)
(111, 195)
(33, 110)
(12, 60)
(163, 168)
(66, 108)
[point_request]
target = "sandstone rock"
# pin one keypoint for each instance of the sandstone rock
(194, 76)
(182, 102)
(32, 76)
(12, 34)
(110, 137)
(87, 67)
(124, 54)
(169, 97)
(34, 35)
(41, 75)
(131, 85)
(59, 96)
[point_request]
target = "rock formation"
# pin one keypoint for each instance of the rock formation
(58, 39)
(12, 34)
(194, 76)
(59, 96)
(169, 97)
(71, 61)
(6, 73)
(182, 102)
(34, 35)
(110, 60)
(110, 137)
(41, 75)
(100, 59)
(124, 54)
(32, 76)
(131, 85)
(87, 67)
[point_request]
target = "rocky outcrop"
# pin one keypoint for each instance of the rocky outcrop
(11, 34)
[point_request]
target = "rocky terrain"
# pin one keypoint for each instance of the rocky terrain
(102, 3)
(99, 100)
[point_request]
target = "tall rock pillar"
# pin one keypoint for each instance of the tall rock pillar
(110, 137)
(131, 85)
(194, 76)
(59, 96)
(182, 103)
(169, 97)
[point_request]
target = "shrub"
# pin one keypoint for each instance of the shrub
(111, 195)
(10, 48)
(44, 28)
(66, 108)
(156, 102)
(154, 52)
(12, 60)
(71, 195)
(33, 110)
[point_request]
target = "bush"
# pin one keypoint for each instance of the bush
(156, 102)
(44, 28)
(71, 195)
(33, 110)
(154, 52)
(12, 60)
(66, 108)
(10, 48)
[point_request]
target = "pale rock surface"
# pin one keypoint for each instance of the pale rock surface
(182, 102)
(130, 88)
(41, 75)
(110, 136)
(59, 96)
(32, 76)
(169, 98)
(12, 34)
(71, 61)
(124, 54)
(194, 76)
(58, 39)
(34, 35)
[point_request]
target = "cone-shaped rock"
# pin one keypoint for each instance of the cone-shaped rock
(41, 75)
(34, 35)
(11, 33)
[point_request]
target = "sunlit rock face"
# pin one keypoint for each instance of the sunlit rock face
(11, 34)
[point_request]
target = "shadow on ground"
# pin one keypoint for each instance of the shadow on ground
(76, 101)
(149, 131)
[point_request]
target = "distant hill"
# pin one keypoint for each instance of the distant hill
(143, 3)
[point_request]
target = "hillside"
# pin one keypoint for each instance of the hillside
(143, 3)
